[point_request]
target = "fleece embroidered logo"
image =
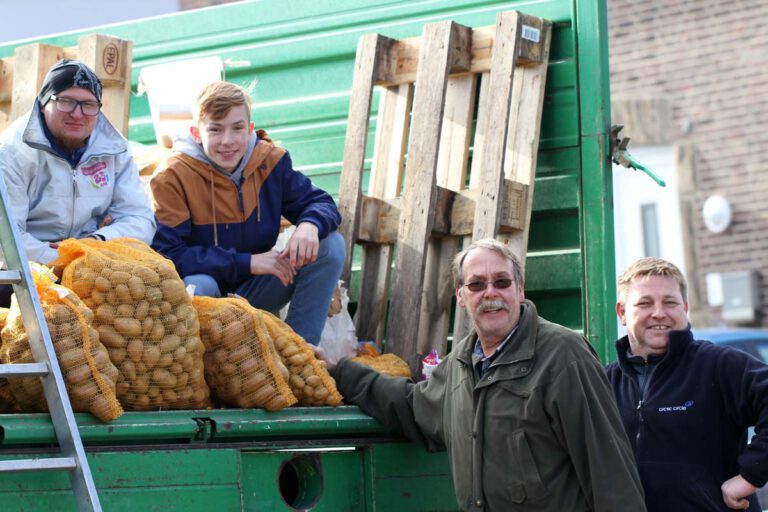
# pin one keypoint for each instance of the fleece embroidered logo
(677, 408)
(96, 175)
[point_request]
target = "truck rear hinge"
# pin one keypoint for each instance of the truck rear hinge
(621, 156)
(205, 430)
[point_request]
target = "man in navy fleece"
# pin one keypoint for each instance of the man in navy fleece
(686, 404)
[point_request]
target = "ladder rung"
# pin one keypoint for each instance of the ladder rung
(10, 277)
(24, 370)
(48, 464)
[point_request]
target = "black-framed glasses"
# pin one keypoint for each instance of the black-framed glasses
(478, 286)
(68, 105)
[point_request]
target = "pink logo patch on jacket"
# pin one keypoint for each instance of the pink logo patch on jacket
(96, 175)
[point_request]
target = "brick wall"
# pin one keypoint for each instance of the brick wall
(709, 58)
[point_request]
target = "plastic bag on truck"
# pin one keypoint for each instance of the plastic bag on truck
(338, 338)
(241, 366)
(144, 317)
(88, 373)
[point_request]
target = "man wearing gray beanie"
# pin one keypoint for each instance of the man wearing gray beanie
(69, 173)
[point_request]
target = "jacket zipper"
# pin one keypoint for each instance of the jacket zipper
(642, 401)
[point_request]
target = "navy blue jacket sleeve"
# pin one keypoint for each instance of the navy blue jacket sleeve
(304, 202)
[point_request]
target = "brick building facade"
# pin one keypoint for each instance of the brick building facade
(693, 75)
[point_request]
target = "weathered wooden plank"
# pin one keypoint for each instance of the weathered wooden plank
(6, 92)
(384, 182)
(452, 162)
(111, 59)
(481, 51)
(445, 46)
(31, 63)
(526, 106)
(374, 61)
(452, 216)
(504, 57)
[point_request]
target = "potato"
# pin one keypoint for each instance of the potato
(296, 382)
(153, 294)
(254, 382)
(71, 358)
(129, 327)
(163, 378)
(140, 385)
(137, 288)
(135, 349)
(117, 355)
(146, 326)
(299, 359)
(98, 297)
(123, 293)
(59, 314)
(110, 337)
(148, 276)
(165, 307)
(158, 331)
(215, 331)
(120, 277)
(182, 381)
(151, 356)
(173, 290)
(102, 284)
(142, 310)
(125, 311)
(169, 344)
(128, 369)
(77, 374)
(165, 360)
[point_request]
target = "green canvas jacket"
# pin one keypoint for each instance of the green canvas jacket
(539, 431)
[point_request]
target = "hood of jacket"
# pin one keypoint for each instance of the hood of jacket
(190, 147)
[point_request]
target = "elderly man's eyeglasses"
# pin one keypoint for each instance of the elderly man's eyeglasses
(478, 286)
(68, 105)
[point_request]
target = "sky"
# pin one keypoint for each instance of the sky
(22, 19)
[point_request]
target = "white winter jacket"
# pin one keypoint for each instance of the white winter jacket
(51, 201)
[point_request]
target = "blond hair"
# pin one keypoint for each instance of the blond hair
(646, 267)
(217, 99)
(491, 244)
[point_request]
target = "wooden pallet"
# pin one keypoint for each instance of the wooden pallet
(418, 204)
(22, 75)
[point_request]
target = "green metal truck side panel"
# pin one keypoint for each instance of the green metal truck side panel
(302, 56)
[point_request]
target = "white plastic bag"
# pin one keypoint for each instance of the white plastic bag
(338, 338)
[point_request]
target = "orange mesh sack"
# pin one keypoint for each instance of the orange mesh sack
(309, 379)
(144, 317)
(240, 366)
(88, 373)
(388, 364)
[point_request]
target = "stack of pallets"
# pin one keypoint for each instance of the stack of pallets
(454, 159)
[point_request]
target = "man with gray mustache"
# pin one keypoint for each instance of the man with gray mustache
(522, 405)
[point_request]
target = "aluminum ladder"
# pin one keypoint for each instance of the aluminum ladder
(72, 457)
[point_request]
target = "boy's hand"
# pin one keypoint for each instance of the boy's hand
(273, 263)
(303, 245)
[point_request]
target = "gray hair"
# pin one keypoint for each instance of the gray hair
(491, 244)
